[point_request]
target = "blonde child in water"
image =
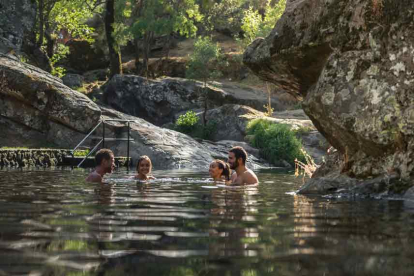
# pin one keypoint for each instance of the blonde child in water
(220, 171)
(144, 168)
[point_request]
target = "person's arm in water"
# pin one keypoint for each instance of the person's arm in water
(232, 179)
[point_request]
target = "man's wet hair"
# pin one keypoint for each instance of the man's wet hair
(103, 154)
(239, 152)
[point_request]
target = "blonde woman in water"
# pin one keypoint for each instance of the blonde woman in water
(144, 168)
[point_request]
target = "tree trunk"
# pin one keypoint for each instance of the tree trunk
(50, 42)
(167, 52)
(41, 23)
(136, 12)
(114, 55)
(137, 51)
(205, 103)
(147, 46)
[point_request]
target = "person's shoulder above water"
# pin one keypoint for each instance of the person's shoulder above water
(94, 177)
(243, 176)
(105, 163)
(246, 178)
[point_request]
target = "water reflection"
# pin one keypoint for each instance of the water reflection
(53, 223)
(232, 210)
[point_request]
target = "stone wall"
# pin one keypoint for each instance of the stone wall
(32, 157)
(47, 158)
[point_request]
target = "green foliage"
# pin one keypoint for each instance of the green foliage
(164, 17)
(224, 15)
(204, 59)
(58, 71)
(81, 153)
(72, 15)
(60, 53)
(188, 123)
(205, 132)
(255, 25)
(275, 141)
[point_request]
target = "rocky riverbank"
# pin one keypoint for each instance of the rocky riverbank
(352, 63)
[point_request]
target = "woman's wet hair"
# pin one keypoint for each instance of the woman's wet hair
(142, 158)
(225, 167)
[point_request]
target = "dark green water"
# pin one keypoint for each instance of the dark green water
(53, 223)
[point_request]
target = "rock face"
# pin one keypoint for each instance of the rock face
(38, 101)
(17, 19)
(72, 80)
(158, 101)
(352, 63)
(168, 149)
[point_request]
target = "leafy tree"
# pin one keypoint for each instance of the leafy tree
(224, 15)
(57, 15)
(203, 64)
(256, 25)
(163, 17)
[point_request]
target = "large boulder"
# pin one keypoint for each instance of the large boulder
(158, 101)
(352, 62)
(36, 100)
(168, 149)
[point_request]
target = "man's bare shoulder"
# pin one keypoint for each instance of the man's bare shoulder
(249, 177)
(94, 177)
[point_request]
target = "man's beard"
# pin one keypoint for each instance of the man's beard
(234, 165)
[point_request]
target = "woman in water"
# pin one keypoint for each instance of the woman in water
(220, 171)
(144, 168)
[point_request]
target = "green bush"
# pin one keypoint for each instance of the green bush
(205, 132)
(81, 153)
(275, 141)
(188, 123)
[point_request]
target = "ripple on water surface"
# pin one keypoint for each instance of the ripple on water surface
(53, 223)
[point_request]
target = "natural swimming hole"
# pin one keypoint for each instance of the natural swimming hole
(54, 223)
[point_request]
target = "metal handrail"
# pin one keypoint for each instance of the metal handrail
(102, 141)
(86, 137)
(97, 145)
